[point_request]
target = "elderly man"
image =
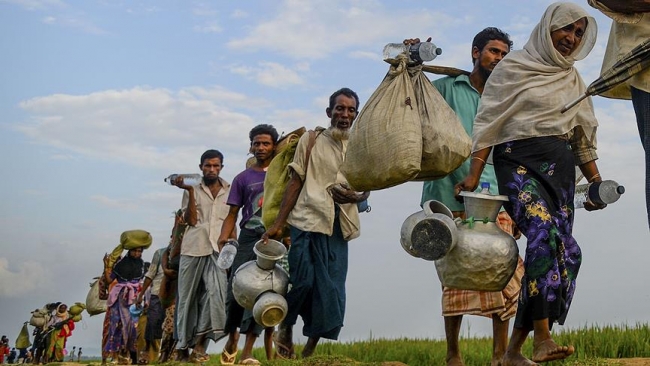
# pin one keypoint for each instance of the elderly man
(462, 93)
(201, 313)
(630, 27)
(323, 217)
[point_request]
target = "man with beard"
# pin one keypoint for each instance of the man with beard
(200, 307)
(462, 93)
(247, 191)
(322, 215)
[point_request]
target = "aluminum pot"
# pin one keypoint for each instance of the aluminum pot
(270, 309)
(256, 277)
(269, 253)
(429, 234)
(250, 281)
(485, 257)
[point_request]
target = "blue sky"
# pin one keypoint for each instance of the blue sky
(102, 99)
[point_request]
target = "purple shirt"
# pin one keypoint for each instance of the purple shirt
(247, 191)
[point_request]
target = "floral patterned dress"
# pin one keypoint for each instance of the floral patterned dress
(538, 176)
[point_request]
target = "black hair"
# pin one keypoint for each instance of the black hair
(489, 34)
(264, 129)
(343, 91)
(211, 154)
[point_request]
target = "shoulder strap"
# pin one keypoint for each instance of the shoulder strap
(312, 141)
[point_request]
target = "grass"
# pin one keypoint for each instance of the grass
(595, 346)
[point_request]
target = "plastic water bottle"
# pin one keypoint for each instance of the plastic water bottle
(418, 53)
(485, 188)
(188, 179)
(602, 193)
(227, 254)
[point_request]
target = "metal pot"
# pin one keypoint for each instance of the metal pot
(270, 309)
(485, 257)
(269, 253)
(429, 234)
(262, 275)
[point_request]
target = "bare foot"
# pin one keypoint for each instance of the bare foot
(548, 350)
(516, 359)
(455, 361)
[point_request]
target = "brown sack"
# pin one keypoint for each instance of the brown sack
(445, 144)
(385, 146)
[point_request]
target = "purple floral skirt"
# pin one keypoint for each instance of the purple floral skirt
(538, 176)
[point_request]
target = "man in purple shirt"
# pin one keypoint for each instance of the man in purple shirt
(247, 191)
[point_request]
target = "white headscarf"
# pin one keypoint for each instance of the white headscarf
(526, 90)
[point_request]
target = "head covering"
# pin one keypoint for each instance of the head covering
(62, 314)
(526, 90)
(129, 268)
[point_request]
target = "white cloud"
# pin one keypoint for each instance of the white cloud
(25, 277)
(272, 74)
(210, 27)
(141, 126)
(74, 22)
(316, 29)
(203, 10)
(36, 4)
(239, 14)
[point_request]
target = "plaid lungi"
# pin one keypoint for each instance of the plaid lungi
(502, 303)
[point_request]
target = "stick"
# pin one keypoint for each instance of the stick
(440, 70)
(572, 104)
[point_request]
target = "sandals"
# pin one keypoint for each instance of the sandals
(143, 358)
(197, 357)
(250, 361)
(281, 351)
(227, 358)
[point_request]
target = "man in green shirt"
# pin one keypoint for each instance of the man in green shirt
(463, 93)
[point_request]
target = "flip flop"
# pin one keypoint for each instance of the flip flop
(288, 351)
(197, 357)
(249, 361)
(227, 358)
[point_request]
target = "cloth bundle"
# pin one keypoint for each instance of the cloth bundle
(406, 131)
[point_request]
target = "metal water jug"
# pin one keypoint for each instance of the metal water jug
(485, 257)
(260, 285)
(429, 234)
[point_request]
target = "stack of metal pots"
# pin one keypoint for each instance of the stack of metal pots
(260, 285)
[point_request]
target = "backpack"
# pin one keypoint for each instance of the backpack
(278, 172)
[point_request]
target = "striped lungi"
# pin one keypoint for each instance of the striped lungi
(502, 303)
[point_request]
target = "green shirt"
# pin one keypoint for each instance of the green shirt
(464, 100)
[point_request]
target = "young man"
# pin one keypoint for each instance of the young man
(200, 306)
(462, 93)
(322, 221)
(247, 192)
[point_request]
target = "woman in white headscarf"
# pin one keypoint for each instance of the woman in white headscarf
(535, 150)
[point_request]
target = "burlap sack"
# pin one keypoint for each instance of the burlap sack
(445, 144)
(76, 309)
(277, 176)
(39, 317)
(385, 146)
(132, 239)
(22, 341)
(94, 305)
